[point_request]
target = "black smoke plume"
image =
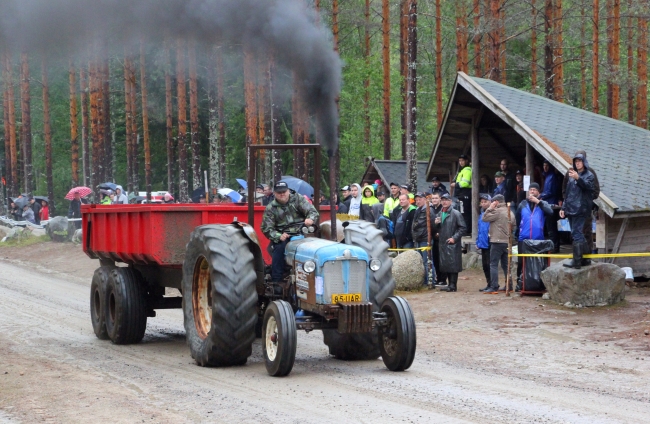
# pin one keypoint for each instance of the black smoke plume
(287, 29)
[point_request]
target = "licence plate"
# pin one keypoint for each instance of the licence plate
(348, 297)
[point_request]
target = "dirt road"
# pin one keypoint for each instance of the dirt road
(480, 359)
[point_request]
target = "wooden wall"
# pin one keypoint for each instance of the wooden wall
(635, 239)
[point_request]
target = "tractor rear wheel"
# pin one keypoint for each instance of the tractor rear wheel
(365, 346)
(279, 338)
(126, 306)
(397, 339)
(98, 301)
(219, 296)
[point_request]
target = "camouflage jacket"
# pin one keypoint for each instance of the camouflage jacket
(277, 216)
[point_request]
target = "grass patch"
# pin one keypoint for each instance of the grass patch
(28, 241)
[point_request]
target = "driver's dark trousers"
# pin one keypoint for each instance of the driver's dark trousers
(277, 264)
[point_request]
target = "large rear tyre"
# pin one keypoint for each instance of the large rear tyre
(397, 340)
(219, 296)
(126, 306)
(98, 301)
(279, 338)
(382, 284)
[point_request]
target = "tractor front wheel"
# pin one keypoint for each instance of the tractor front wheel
(397, 339)
(279, 338)
(219, 296)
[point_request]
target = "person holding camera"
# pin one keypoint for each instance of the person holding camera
(450, 226)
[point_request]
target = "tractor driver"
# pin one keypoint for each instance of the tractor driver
(287, 208)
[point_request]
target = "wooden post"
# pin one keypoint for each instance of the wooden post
(473, 135)
(530, 164)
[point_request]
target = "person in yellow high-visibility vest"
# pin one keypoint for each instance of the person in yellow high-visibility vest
(462, 189)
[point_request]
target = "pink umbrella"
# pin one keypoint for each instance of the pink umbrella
(83, 192)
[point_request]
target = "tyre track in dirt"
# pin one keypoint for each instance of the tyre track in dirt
(70, 376)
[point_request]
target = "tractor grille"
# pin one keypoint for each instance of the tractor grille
(334, 281)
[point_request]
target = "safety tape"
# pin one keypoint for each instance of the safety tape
(589, 256)
(412, 248)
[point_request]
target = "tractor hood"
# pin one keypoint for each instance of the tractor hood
(321, 251)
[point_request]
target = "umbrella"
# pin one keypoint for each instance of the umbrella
(42, 198)
(108, 186)
(197, 194)
(236, 197)
(83, 192)
(298, 185)
(242, 183)
(21, 202)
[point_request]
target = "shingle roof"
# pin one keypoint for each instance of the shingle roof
(395, 171)
(618, 151)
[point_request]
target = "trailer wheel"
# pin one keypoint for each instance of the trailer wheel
(219, 296)
(279, 338)
(365, 346)
(397, 339)
(126, 307)
(98, 301)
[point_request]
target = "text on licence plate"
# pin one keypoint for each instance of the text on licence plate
(348, 297)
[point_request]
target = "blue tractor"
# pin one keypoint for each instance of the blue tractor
(343, 288)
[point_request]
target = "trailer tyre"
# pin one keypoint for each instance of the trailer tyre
(98, 301)
(126, 306)
(219, 296)
(382, 285)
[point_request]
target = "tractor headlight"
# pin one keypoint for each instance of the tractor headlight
(309, 266)
(375, 264)
(312, 228)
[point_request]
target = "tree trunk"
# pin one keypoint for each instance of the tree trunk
(549, 49)
(385, 50)
(275, 122)
(194, 119)
(495, 41)
(109, 161)
(7, 85)
(127, 123)
(461, 36)
(250, 105)
(83, 88)
(613, 56)
(94, 125)
(533, 48)
(642, 70)
(183, 185)
(595, 60)
(476, 11)
(26, 133)
(438, 69)
(630, 64)
(47, 129)
(168, 121)
(335, 36)
(135, 137)
(221, 116)
(502, 38)
(411, 97)
(213, 127)
(583, 54)
(74, 127)
(13, 145)
(366, 82)
(263, 115)
(403, 57)
(101, 129)
(558, 59)
(145, 122)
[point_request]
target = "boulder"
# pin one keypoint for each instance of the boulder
(12, 234)
(408, 270)
(472, 260)
(57, 229)
(598, 284)
(76, 238)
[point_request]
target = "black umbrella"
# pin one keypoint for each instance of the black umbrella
(197, 194)
(47, 199)
(108, 186)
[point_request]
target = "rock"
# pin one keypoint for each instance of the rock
(76, 238)
(408, 270)
(38, 232)
(326, 230)
(598, 284)
(472, 260)
(57, 229)
(546, 296)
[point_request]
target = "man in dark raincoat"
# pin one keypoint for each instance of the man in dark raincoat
(450, 226)
(577, 206)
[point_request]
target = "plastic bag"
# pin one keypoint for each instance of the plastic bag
(533, 267)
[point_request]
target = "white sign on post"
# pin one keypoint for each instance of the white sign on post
(526, 182)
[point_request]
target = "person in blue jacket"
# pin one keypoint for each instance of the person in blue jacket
(501, 187)
(530, 218)
(483, 239)
(551, 192)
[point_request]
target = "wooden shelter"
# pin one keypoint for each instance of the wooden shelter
(489, 121)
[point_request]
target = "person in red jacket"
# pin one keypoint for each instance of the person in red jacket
(45, 210)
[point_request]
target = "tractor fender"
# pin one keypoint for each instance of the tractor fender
(256, 250)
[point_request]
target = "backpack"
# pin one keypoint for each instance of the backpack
(386, 226)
